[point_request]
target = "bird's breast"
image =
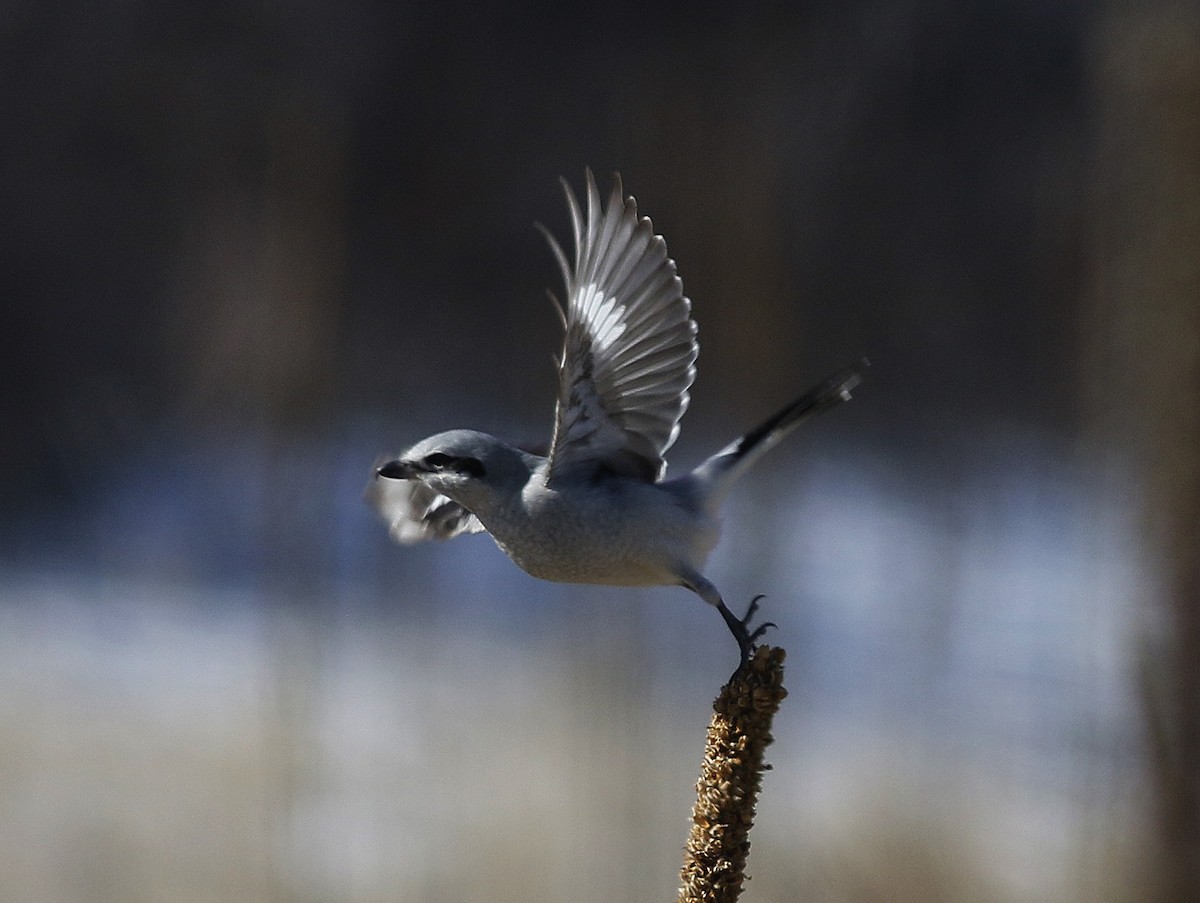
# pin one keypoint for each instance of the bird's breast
(619, 535)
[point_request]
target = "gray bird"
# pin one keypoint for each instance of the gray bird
(597, 509)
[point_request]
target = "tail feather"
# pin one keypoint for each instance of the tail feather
(723, 468)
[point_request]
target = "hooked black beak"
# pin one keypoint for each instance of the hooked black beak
(396, 470)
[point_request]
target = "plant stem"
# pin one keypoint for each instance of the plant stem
(714, 865)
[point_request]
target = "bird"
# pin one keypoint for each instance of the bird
(595, 506)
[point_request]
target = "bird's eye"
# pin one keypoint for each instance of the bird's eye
(472, 467)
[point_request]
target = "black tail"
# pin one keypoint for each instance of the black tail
(821, 397)
(727, 465)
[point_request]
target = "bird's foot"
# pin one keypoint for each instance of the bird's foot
(741, 631)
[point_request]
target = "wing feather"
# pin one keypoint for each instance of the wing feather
(630, 345)
(415, 513)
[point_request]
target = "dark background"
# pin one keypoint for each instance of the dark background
(290, 215)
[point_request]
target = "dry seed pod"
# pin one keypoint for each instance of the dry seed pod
(730, 777)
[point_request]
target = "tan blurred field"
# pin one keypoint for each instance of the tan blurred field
(152, 750)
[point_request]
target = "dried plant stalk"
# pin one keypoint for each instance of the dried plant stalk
(714, 865)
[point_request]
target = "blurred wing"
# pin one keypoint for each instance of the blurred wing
(630, 348)
(415, 513)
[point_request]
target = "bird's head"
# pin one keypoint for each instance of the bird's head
(463, 465)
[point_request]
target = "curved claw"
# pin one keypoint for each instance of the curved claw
(762, 628)
(745, 637)
(753, 607)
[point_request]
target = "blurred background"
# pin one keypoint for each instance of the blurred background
(248, 247)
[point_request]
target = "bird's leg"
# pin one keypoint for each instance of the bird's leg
(741, 628)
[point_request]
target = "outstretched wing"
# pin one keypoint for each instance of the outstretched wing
(630, 348)
(415, 513)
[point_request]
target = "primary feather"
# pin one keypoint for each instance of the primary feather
(630, 347)
(414, 512)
